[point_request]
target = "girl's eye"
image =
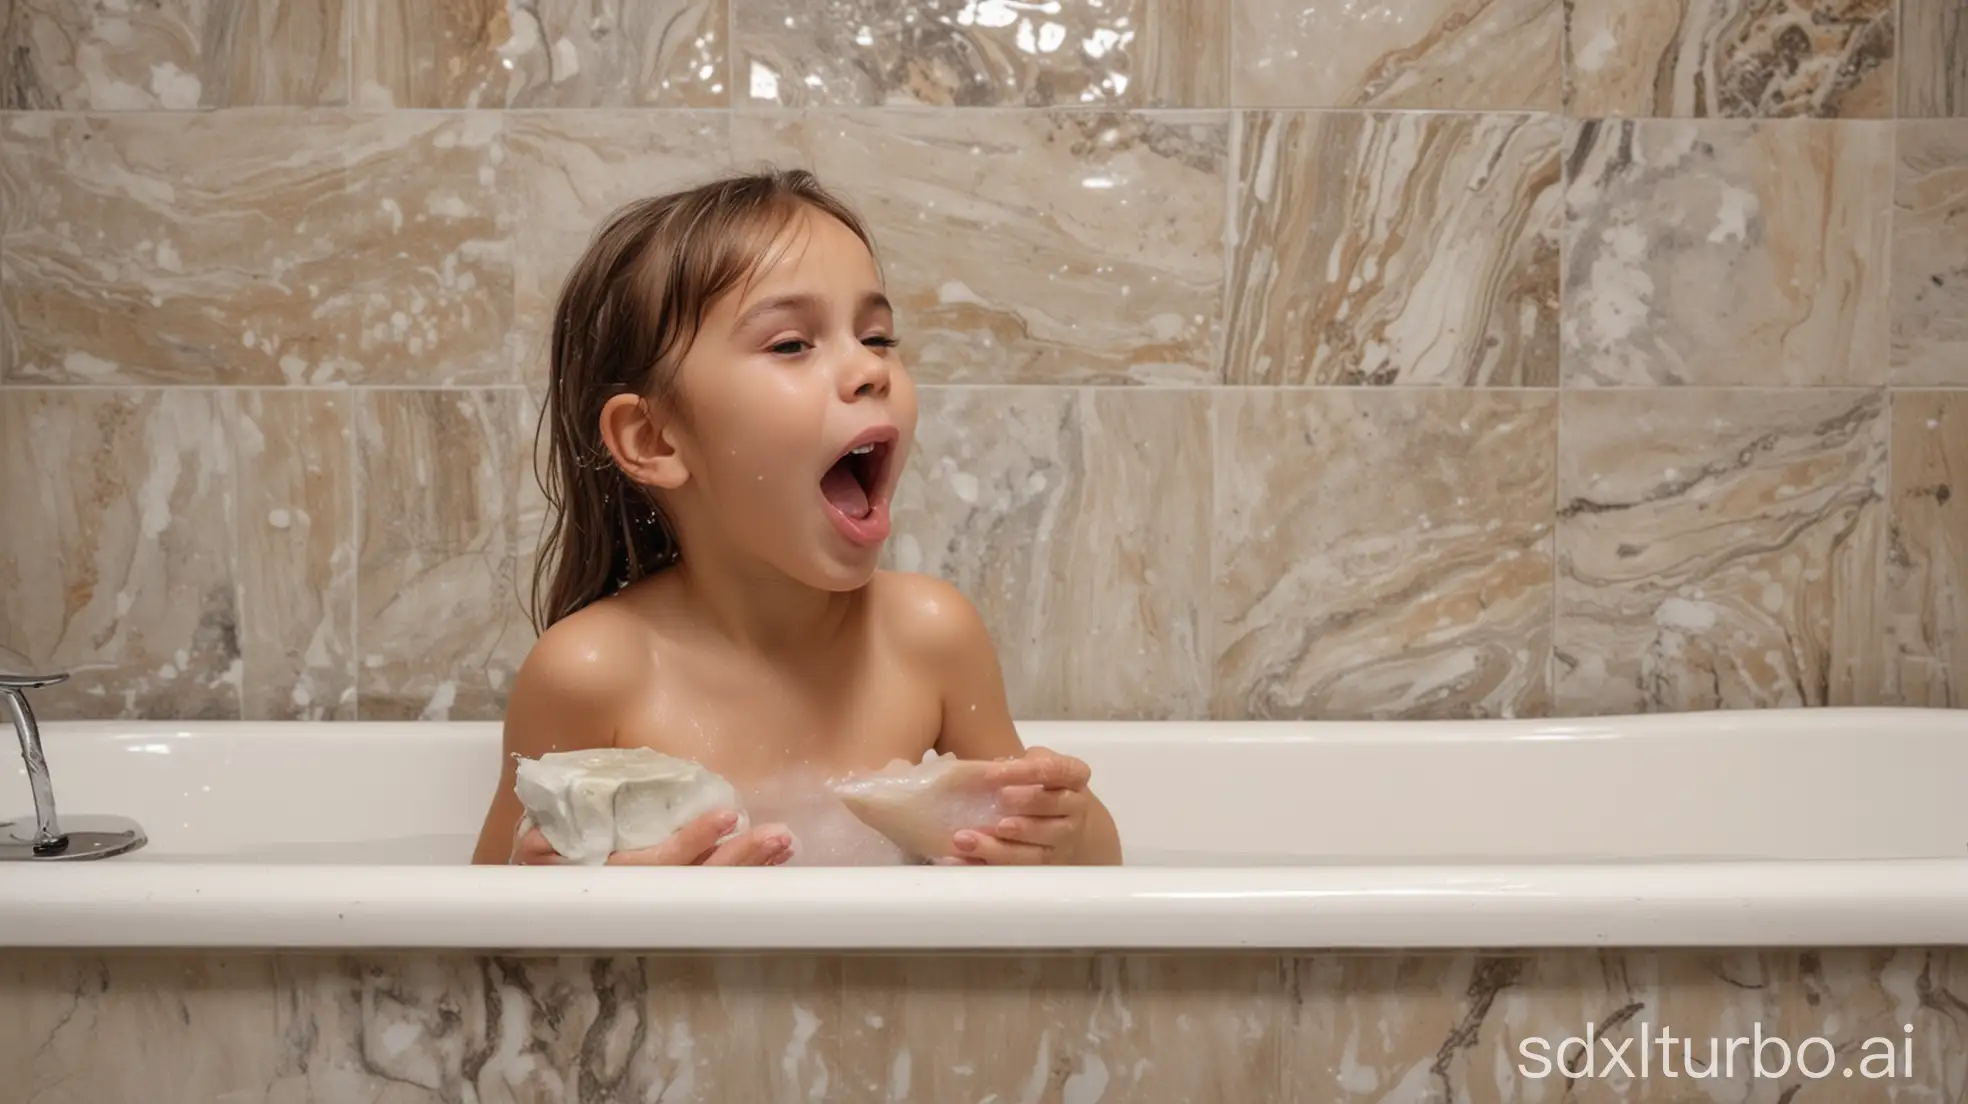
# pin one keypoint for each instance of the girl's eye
(882, 342)
(792, 346)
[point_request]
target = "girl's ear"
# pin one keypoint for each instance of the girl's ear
(641, 440)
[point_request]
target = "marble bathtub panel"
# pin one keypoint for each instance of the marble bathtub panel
(440, 625)
(1930, 255)
(1077, 520)
(540, 53)
(462, 1028)
(172, 55)
(1492, 1029)
(1727, 252)
(117, 558)
(1934, 59)
(1733, 58)
(88, 1029)
(1719, 549)
(1927, 552)
(295, 455)
(1396, 249)
(255, 247)
(1465, 55)
(1032, 247)
(1147, 1028)
(958, 53)
(1382, 554)
(566, 172)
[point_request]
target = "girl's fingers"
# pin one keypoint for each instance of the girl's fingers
(532, 849)
(691, 844)
(999, 852)
(768, 845)
(1037, 831)
(1043, 768)
(1038, 801)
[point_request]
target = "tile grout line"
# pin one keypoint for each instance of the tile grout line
(1880, 569)
(1232, 171)
(731, 54)
(231, 413)
(1568, 134)
(1105, 388)
(348, 51)
(354, 451)
(1212, 435)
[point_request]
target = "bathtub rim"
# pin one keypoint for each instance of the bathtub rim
(1898, 902)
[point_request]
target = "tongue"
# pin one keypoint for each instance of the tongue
(844, 491)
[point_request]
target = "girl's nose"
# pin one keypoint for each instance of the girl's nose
(866, 376)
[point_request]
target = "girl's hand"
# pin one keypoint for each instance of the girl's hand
(694, 844)
(1042, 796)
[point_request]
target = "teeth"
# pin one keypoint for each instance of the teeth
(862, 451)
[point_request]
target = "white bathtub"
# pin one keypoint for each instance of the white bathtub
(1779, 828)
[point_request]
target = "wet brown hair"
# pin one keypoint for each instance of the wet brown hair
(626, 317)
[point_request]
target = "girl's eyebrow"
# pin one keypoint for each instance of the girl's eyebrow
(871, 301)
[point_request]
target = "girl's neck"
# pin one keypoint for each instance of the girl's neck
(757, 608)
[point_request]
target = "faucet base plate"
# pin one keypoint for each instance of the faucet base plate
(89, 837)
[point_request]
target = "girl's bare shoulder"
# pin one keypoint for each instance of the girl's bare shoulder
(926, 616)
(594, 660)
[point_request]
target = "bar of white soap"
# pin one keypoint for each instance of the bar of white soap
(592, 803)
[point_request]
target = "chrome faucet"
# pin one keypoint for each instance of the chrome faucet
(48, 839)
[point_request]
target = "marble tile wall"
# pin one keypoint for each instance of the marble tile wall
(1430, 358)
(1280, 358)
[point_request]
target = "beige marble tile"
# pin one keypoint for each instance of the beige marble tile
(1934, 59)
(171, 248)
(88, 55)
(1078, 522)
(1382, 553)
(1489, 1029)
(440, 623)
(540, 53)
(256, 247)
(1396, 249)
(87, 1029)
(1719, 549)
(567, 172)
(423, 292)
(959, 53)
(1930, 255)
(456, 1027)
(1927, 557)
(1022, 247)
(1727, 252)
(1146, 1029)
(1463, 55)
(1733, 58)
(117, 560)
(295, 455)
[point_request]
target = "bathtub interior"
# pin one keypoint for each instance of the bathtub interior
(1771, 785)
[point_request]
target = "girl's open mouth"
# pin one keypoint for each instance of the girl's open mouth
(855, 487)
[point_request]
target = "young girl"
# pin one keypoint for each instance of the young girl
(729, 418)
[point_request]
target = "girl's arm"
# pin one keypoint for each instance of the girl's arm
(977, 722)
(568, 696)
